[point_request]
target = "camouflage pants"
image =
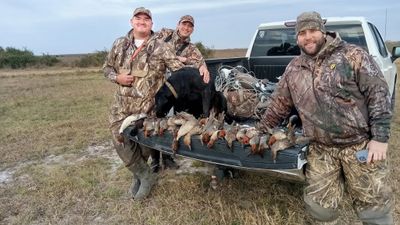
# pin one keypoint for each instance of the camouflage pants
(331, 169)
(130, 152)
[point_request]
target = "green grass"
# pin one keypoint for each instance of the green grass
(62, 114)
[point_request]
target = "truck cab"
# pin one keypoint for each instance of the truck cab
(274, 45)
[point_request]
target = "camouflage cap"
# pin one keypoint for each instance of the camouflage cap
(310, 20)
(187, 18)
(142, 10)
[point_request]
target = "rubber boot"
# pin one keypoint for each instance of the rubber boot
(381, 215)
(135, 186)
(155, 161)
(147, 180)
(169, 162)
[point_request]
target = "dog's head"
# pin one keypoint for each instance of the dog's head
(164, 101)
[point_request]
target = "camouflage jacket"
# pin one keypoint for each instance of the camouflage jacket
(191, 52)
(153, 59)
(340, 94)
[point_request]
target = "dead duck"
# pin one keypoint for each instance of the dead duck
(241, 136)
(187, 139)
(215, 136)
(148, 126)
(254, 143)
(230, 134)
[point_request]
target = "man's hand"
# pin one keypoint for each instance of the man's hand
(182, 59)
(376, 151)
(204, 72)
(125, 79)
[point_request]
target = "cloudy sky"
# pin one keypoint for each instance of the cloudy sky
(83, 26)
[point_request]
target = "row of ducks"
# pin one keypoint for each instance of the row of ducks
(184, 125)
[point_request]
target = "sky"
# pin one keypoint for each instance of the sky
(84, 26)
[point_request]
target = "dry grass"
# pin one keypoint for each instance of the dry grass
(49, 113)
(50, 120)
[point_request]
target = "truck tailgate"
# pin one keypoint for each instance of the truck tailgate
(239, 157)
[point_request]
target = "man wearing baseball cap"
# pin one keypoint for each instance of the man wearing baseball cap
(189, 55)
(137, 63)
(344, 104)
(179, 38)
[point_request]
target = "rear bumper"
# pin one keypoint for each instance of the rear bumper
(288, 165)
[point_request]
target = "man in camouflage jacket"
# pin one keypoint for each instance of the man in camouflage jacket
(188, 54)
(137, 63)
(344, 104)
(179, 38)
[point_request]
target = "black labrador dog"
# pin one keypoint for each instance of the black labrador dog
(186, 91)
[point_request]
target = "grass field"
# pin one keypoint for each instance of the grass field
(57, 165)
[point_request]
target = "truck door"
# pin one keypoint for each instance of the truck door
(382, 57)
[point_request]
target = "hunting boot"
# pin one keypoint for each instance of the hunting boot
(147, 180)
(127, 153)
(169, 162)
(376, 217)
(135, 186)
(155, 161)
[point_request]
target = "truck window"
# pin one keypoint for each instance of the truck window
(379, 41)
(351, 33)
(275, 42)
(282, 41)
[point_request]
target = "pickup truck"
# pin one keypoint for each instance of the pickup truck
(271, 49)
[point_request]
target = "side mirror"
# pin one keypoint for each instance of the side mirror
(395, 53)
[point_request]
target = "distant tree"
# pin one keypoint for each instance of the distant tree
(205, 51)
(93, 59)
(47, 60)
(15, 58)
(2, 58)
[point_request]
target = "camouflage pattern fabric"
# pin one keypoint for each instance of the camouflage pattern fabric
(331, 169)
(131, 153)
(191, 52)
(153, 60)
(340, 94)
(242, 103)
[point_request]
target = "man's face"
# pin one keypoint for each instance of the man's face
(310, 41)
(185, 29)
(142, 23)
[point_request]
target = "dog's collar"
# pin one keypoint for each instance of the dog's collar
(172, 89)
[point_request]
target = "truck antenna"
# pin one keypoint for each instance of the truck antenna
(385, 22)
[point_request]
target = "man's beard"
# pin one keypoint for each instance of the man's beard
(318, 46)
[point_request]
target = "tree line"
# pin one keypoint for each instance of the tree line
(13, 58)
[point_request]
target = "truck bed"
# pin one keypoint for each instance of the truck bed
(288, 164)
